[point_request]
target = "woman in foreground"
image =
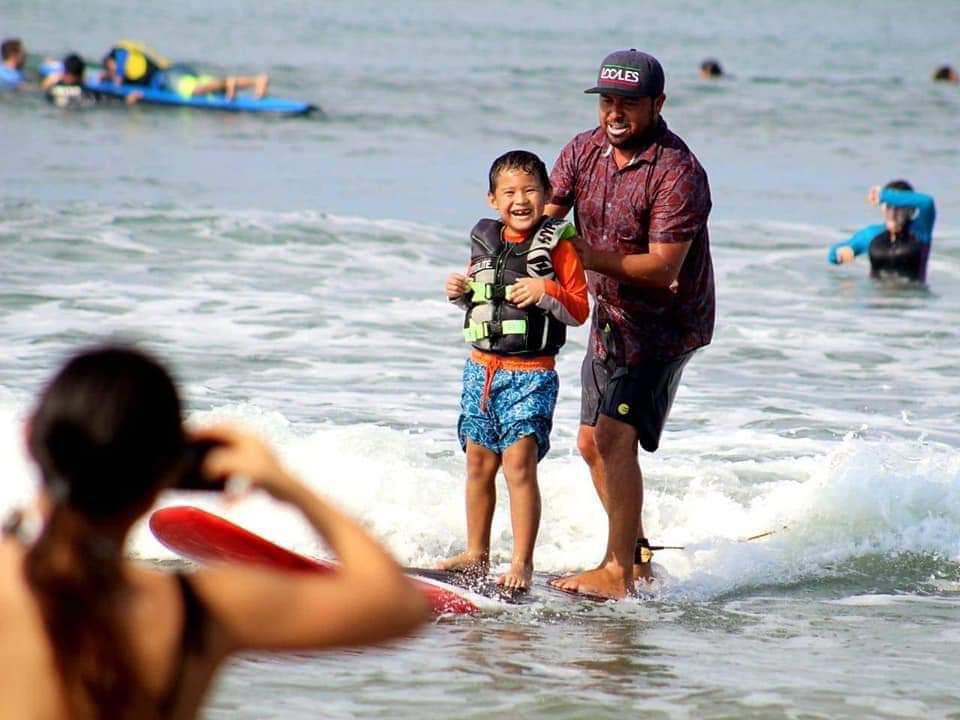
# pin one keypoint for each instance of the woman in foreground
(88, 634)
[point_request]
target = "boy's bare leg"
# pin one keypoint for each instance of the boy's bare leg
(481, 494)
(520, 470)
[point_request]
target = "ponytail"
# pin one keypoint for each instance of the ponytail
(76, 575)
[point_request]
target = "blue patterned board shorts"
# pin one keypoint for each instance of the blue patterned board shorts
(521, 403)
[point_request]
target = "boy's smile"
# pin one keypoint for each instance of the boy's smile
(519, 199)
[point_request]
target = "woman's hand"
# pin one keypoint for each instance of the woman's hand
(239, 453)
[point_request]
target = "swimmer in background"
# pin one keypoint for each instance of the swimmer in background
(13, 56)
(65, 88)
(946, 73)
(900, 246)
(710, 69)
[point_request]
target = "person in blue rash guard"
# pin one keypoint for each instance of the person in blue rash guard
(12, 57)
(900, 245)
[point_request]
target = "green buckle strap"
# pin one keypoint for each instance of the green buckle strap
(482, 330)
(485, 292)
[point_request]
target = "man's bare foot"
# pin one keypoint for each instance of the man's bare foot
(604, 581)
(231, 88)
(518, 577)
(260, 87)
(468, 562)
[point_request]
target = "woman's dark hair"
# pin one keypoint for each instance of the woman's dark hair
(898, 185)
(519, 160)
(107, 434)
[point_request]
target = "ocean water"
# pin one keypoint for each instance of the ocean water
(291, 271)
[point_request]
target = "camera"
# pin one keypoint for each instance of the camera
(193, 477)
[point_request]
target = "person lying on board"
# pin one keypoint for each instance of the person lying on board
(87, 633)
(524, 285)
(132, 64)
(900, 245)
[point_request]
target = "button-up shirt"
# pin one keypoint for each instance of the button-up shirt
(661, 196)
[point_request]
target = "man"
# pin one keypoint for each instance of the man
(640, 200)
(12, 58)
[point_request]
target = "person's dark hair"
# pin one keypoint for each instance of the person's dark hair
(711, 68)
(898, 185)
(10, 47)
(945, 72)
(74, 65)
(107, 434)
(519, 160)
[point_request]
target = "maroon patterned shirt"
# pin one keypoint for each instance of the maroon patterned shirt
(661, 196)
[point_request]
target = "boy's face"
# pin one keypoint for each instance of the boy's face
(519, 199)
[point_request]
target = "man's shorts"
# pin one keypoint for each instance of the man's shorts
(520, 403)
(640, 396)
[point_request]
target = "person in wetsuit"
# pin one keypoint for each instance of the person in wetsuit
(88, 633)
(900, 246)
(65, 89)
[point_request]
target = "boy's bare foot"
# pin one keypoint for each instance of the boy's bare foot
(605, 581)
(518, 577)
(261, 85)
(466, 562)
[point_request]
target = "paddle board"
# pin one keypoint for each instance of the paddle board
(214, 101)
(202, 536)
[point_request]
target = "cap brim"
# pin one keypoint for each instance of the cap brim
(613, 91)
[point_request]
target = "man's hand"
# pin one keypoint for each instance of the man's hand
(134, 97)
(873, 197)
(527, 291)
(583, 251)
(845, 255)
(457, 286)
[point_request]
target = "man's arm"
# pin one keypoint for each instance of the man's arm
(558, 212)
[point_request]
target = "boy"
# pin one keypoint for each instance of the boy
(524, 285)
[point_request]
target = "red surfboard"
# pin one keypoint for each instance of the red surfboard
(201, 536)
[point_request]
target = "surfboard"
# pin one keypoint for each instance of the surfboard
(214, 101)
(204, 537)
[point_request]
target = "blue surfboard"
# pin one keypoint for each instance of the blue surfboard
(213, 101)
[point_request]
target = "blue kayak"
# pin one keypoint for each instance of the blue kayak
(213, 101)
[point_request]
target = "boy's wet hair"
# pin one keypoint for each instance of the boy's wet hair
(10, 47)
(74, 65)
(519, 160)
(898, 185)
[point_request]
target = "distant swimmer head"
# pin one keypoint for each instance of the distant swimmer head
(107, 434)
(710, 69)
(73, 69)
(946, 73)
(13, 53)
(519, 189)
(896, 218)
(630, 84)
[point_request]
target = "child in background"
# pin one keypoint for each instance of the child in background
(524, 285)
